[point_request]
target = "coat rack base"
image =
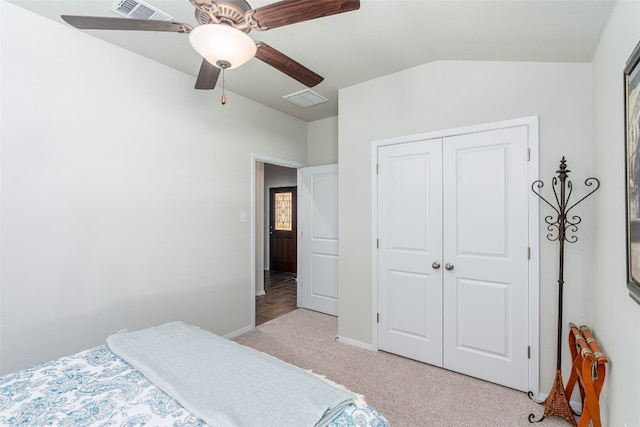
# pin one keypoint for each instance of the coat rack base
(556, 404)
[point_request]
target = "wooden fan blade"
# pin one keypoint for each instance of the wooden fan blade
(101, 23)
(288, 12)
(208, 76)
(293, 69)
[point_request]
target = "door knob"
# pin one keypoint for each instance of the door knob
(435, 265)
(448, 266)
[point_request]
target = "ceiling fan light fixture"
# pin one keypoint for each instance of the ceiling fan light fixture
(222, 45)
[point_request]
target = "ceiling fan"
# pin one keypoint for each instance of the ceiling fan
(221, 38)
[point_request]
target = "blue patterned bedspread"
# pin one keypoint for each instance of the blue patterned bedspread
(97, 388)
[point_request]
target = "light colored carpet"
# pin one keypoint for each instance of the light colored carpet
(406, 392)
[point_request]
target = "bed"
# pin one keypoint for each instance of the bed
(176, 375)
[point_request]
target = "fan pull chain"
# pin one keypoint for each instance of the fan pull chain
(223, 98)
(223, 65)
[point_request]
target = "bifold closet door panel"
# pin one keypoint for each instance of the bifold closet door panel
(486, 241)
(410, 242)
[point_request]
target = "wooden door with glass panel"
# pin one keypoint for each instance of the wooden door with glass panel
(283, 229)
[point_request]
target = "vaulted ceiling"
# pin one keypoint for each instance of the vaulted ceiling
(382, 37)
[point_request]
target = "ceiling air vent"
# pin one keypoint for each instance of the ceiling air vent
(139, 10)
(305, 98)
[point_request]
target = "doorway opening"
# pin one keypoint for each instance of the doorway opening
(274, 236)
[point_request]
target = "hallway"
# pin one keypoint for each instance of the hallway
(280, 296)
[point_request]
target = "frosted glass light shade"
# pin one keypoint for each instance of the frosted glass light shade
(221, 42)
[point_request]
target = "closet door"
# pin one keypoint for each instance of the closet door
(410, 242)
(453, 253)
(486, 249)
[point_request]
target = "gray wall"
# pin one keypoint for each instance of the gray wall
(121, 197)
(322, 142)
(616, 318)
(449, 94)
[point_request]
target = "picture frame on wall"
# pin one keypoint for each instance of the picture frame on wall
(632, 152)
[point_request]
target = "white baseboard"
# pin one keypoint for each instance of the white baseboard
(260, 293)
(241, 331)
(355, 343)
(576, 406)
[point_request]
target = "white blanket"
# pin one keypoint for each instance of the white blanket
(225, 383)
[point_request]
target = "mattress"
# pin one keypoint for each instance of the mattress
(98, 388)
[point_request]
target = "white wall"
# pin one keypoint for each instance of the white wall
(120, 196)
(450, 94)
(322, 142)
(274, 176)
(616, 318)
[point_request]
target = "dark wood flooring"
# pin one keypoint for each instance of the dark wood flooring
(281, 296)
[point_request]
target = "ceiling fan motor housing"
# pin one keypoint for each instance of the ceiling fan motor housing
(230, 12)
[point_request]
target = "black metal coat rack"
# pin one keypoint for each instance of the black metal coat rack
(562, 228)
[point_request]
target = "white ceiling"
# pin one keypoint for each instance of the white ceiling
(382, 37)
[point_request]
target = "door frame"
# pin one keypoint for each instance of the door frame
(532, 123)
(255, 159)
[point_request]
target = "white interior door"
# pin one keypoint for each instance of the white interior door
(486, 245)
(409, 242)
(318, 232)
(459, 203)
